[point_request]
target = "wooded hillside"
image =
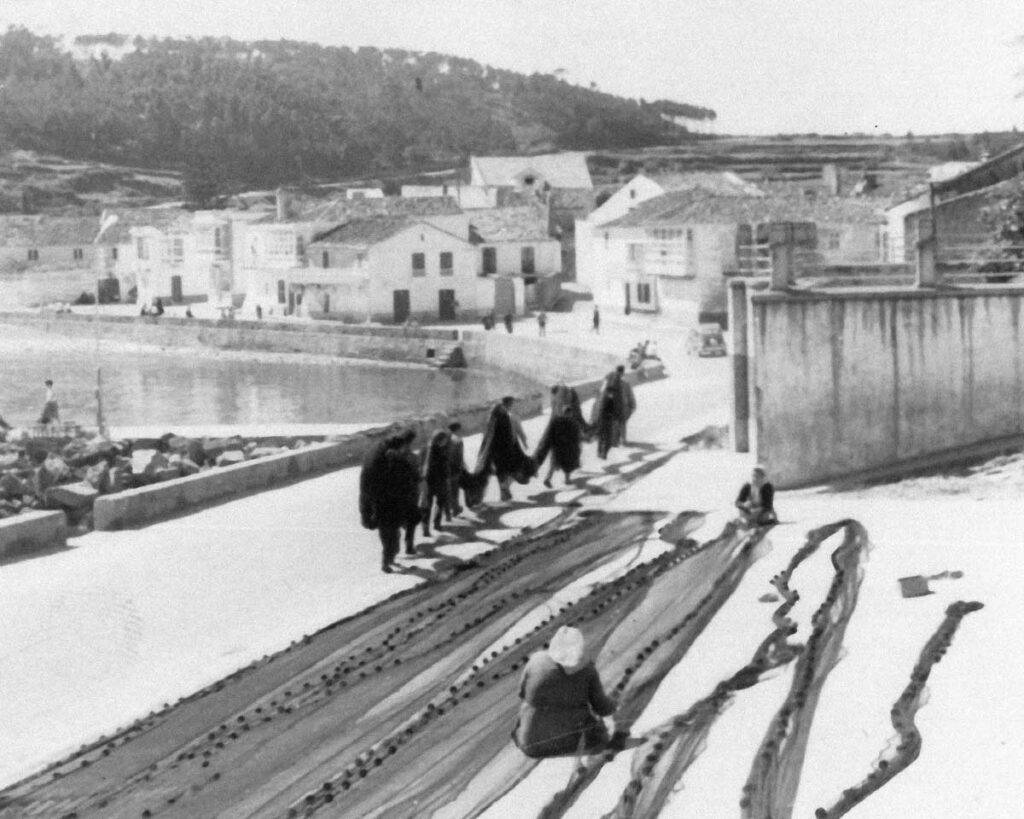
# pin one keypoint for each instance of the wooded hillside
(269, 112)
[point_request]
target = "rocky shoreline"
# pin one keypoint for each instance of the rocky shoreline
(69, 472)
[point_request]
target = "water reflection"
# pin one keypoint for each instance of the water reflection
(193, 388)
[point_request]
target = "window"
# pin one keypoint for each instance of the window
(634, 252)
(113, 253)
(219, 243)
(77, 254)
(176, 250)
(527, 260)
(490, 260)
(33, 255)
(446, 264)
(300, 246)
(281, 295)
(326, 258)
(419, 264)
(832, 239)
(643, 293)
(632, 194)
(141, 248)
(281, 244)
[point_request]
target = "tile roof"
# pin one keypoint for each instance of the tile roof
(47, 231)
(341, 209)
(563, 170)
(363, 232)
(519, 224)
(699, 207)
(118, 231)
(1006, 165)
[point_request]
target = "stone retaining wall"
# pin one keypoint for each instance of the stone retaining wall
(138, 506)
(349, 341)
(32, 532)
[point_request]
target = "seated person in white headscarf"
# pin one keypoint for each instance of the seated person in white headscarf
(563, 701)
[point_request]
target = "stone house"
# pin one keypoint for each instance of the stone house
(671, 254)
(638, 190)
(957, 204)
(52, 242)
(393, 268)
(46, 258)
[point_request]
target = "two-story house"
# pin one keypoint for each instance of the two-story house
(46, 258)
(671, 254)
(393, 268)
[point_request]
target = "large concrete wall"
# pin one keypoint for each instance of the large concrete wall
(525, 353)
(853, 381)
(380, 343)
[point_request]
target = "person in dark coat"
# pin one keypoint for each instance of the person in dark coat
(756, 500)
(610, 413)
(388, 495)
(435, 474)
(456, 467)
(501, 454)
(508, 322)
(564, 434)
(563, 701)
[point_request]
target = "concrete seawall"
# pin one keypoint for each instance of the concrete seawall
(534, 357)
(853, 381)
(32, 532)
(145, 504)
(348, 341)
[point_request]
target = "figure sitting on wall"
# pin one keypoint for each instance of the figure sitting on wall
(756, 500)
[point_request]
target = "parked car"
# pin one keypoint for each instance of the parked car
(706, 341)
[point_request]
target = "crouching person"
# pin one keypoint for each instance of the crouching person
(563, 701)
(756, 500)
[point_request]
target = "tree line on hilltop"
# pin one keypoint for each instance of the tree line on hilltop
(265, 113)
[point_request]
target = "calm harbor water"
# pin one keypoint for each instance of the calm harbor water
(196, 387)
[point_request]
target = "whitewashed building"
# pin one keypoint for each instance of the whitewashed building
(393, 268)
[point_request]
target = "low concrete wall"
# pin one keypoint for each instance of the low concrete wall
(378, 343)
(850, 381)
(32, 532)
(137, 506)
(537, 358)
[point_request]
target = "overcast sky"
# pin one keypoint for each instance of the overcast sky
(766, 66)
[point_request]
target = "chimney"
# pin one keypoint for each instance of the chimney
(283, 204)
(830, 178)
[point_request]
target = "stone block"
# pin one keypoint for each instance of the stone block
(12, 486)
(98, 477)
(189, 467)
(72, 495)
(234, 456)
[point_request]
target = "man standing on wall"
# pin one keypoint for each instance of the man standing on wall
(542, 323)
(51, 409)
(597, 320)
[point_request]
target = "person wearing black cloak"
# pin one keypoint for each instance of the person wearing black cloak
(388, 495)
(435, 473)
(501, 453)
(456, 466)
(564, 434)
(609, 413)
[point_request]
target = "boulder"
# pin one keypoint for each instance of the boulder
(264, 451)
(120, 478)
(234, 456)
(215, 447)
(157, 462)
(98, 477)
(189, 467)
(71, 495)
(168, 473)
(99, 449)
(12, 486)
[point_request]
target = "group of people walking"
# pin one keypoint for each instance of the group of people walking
(400, 489)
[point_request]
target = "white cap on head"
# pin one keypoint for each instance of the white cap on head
(567, 647)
